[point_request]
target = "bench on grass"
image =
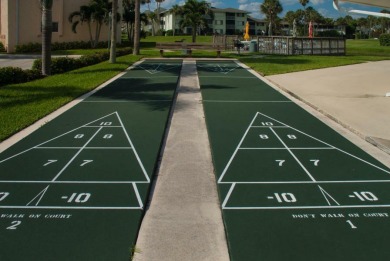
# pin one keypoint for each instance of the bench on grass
(188, 47)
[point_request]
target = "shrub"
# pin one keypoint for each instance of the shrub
(9, 75)
(37, 47)
(2, 49)
(330, 33)
(384, 40)
(169, 33)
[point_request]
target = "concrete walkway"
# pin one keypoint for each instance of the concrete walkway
(184, 219)
(353, 96)
(24, 61)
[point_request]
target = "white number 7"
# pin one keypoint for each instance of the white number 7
(85, 162)
(280, 162)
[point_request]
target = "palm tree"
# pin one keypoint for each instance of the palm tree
(98, 12)
(271, 9)
(84, 15)
(304, 3)
(46, 6)
(195, 14)
(175, 10)
(114, 11)
(158, 2)
(137, 26)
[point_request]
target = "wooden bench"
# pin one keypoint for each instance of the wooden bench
(188, 47)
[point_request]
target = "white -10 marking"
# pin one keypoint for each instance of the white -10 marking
(292, 137)
(365, 195)
(79, 136)
(285, 197)
(3, 195)
(107, 136)
(267, 124)
(108, 123)
(263, 137)
(79, 198)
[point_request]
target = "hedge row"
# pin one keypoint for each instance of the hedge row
(9, 75)
(2, 49)
(37, 47)
(384, 40)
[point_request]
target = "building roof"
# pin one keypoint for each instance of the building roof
(228, 10)
(255, 19)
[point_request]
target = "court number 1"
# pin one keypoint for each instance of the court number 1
(14, 224)
(285, 197)
(79, 197)
(351, 224)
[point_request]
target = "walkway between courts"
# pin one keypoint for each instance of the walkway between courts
(184, 220)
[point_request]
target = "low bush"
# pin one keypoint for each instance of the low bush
(9, 75)
(65, 64)
(330, 33)
(2, 49)
(37, 47)
(384, 40)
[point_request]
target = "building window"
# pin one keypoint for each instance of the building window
(55, 27)
(218, 22)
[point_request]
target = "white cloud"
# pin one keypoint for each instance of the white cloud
(316, 2)
(253, 8)
(216, 3)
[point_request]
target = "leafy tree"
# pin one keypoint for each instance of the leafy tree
(195, 15)
(271, 9)
(47, 24)
(129, 18)
(96, 12)
(304, 3)
(158, 2)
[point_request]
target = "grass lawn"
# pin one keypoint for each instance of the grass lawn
(23, 104)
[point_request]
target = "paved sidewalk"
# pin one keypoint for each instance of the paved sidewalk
(184, 220)
(24, 61)
(353, 96)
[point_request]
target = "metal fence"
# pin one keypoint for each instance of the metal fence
(289, 45)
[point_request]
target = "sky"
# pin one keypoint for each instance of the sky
(325, 7)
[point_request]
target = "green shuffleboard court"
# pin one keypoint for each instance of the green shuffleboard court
(76, 188)
(290, 187)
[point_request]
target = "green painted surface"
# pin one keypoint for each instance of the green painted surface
(291, 188)
(75, 188)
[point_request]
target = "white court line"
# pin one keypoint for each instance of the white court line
(71, 182)
(304, 182)
(138, 196)
(328, 144)
(88, 148)
(228, 195)
(236, 150)
(20, 153)
(64, 208)
(326, 195)
(123, 101)
(309, 207)
(228, 77)
(292, 154)
(135, 152)
(41, 194)
(224, 101)
(157, 77)
(74, 157)
(319, 148)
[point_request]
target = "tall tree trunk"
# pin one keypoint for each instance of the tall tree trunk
(194, 29)
(137, 27)
(46, 36)
(113, 31)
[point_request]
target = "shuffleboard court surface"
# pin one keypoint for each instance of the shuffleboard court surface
(76, 188)
(290, 187)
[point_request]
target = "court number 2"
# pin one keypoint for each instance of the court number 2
(14, 224)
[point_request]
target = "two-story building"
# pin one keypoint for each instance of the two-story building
(228, 21)
(20, 22)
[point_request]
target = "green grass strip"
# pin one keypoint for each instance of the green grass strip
(23, 104)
